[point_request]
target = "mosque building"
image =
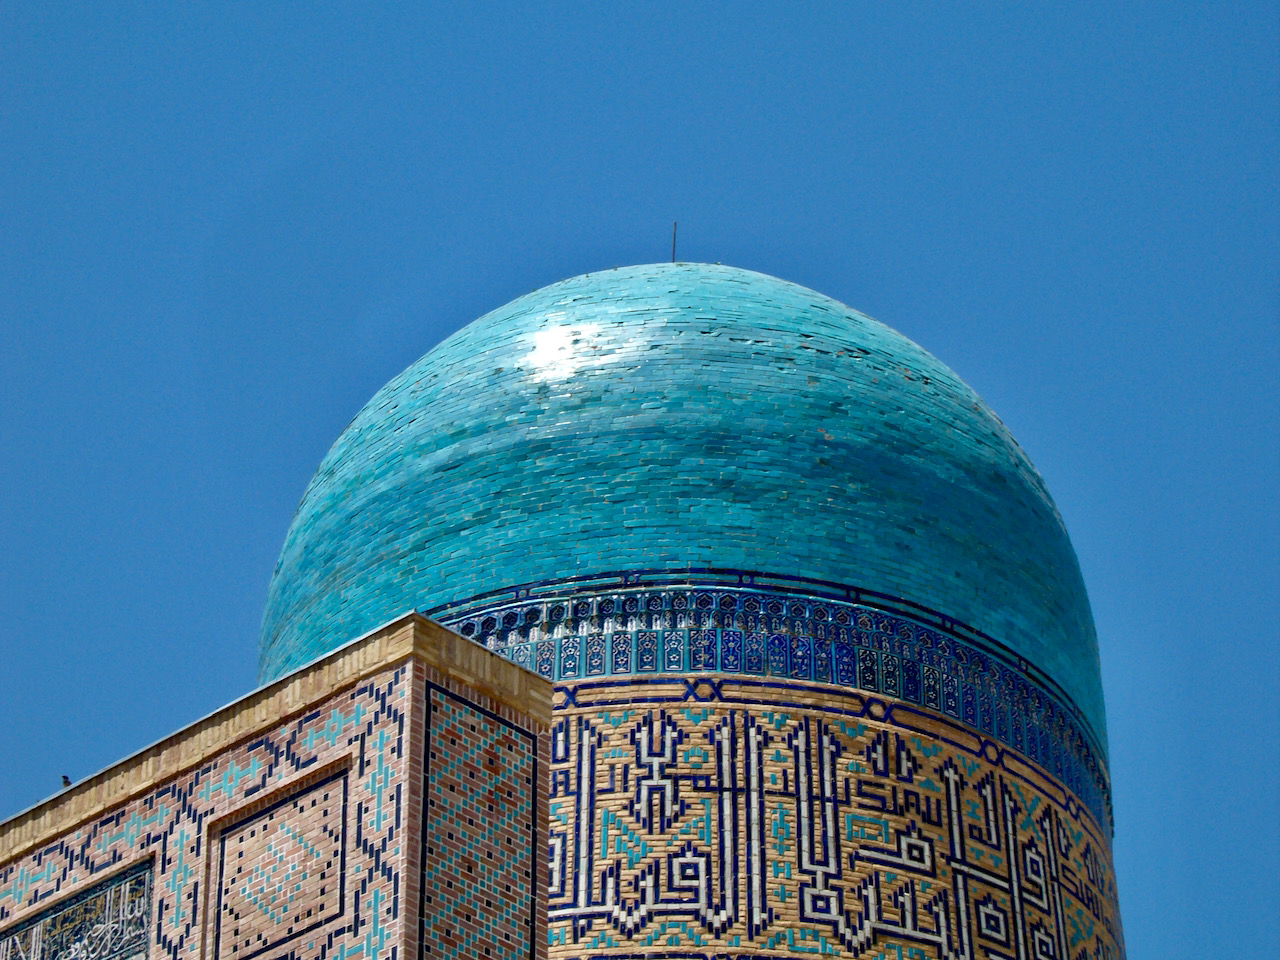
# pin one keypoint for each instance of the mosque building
(671, 612)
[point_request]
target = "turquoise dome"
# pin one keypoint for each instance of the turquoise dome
(679, 417)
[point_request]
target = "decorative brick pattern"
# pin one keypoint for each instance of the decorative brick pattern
(480, 837)
(361, 730)
(295, 824)
(282, 871)
(698, 818)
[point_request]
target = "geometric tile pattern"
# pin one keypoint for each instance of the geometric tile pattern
(734, 817)
(175, 826)
(728, 624)
(106, 922)
(282, 870)
(480, 845)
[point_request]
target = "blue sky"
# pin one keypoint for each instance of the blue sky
(222, 228)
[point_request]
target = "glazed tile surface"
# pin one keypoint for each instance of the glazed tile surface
(680, 416)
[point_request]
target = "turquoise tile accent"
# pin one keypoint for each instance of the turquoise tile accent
(673, 417)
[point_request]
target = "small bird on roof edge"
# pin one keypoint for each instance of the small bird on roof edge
(66, 781)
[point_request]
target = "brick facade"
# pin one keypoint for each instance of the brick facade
(293, 823)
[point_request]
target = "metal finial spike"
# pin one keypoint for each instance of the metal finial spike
(673, 241)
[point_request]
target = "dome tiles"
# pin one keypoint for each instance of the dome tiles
(678, 418)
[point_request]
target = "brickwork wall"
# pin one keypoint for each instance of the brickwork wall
(303, 839)
(248, 850)
(483, 837)
(281, 871)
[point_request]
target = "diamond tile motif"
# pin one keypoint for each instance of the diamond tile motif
(281, 871)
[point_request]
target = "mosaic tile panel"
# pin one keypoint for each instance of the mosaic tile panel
(480, 842)
(362, 730)
(729, 625)
(108, 921)
(282, 871)
(730, 818)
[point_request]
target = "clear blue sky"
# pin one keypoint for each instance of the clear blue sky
(222, 227)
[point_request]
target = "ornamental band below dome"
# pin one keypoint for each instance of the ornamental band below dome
(719, 622)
